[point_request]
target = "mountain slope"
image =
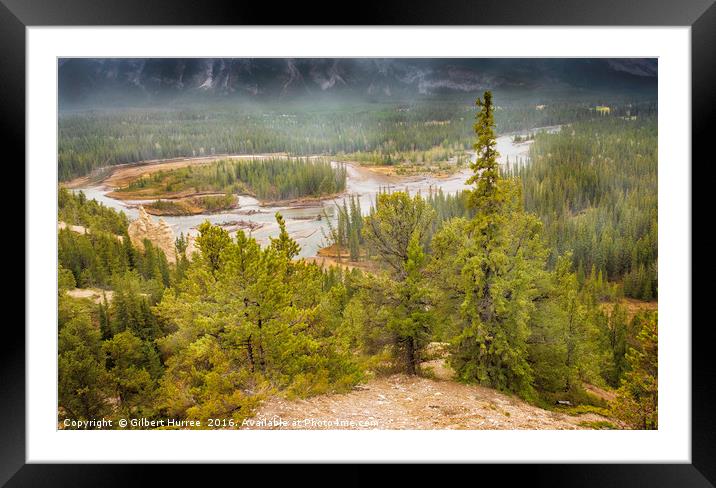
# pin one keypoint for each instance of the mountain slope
(82, 79)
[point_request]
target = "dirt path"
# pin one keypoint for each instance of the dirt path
(405, 402)
(94, 294)
(79, 229)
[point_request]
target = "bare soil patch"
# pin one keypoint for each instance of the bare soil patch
(606, 395)
(80, 229)
(411, 402)
(335, 255)
(417, 403)
(95, 294)
(633, 306)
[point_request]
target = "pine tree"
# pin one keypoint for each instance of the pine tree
(246, 322)
(211, 242)
(617, 344)
(105, 325)
(82, 377)
(284, 244)
(130, 309)
(637, 397)
(564, 343)
(65, 278)
(129, 374)
(412, 320)
(393, 222)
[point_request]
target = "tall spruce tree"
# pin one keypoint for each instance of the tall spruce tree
(493, 268)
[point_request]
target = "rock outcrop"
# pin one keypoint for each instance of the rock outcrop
(159, 234)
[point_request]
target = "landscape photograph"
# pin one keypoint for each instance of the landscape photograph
(357, 243)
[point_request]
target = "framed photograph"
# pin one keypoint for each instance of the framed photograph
(464, 237)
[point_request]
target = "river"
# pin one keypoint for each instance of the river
(305, 224)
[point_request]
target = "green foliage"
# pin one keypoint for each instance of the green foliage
(82, 377)
(594, 185)
(193, 205)
(130, 309)
(412, 320)
(266, 178)
(445, 157)
(447, 206)
(486, 197)
(211, 242)
(92, 258)
(562, 343)
(599, 425)
(399, 302)
(395, 220)
(493, 269)
(637, 397)
(182, 263)
(152, 265)
(496, 286)
(583, 409)
(65, 278)
(247, 320)
(75, 209)
(348, 229)
(614, 327)
(284, 244)
(133, 368)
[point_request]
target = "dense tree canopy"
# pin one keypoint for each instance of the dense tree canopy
(247, 320)
(594, 185)
(429, 130)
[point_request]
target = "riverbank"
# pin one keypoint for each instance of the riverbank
(305, 218)
(207, 188)
(192, 205)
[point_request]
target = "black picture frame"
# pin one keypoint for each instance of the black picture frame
(16, 15)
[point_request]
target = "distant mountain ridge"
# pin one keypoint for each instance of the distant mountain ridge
(84, 78)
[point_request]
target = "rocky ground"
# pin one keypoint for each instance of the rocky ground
(411, 402)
